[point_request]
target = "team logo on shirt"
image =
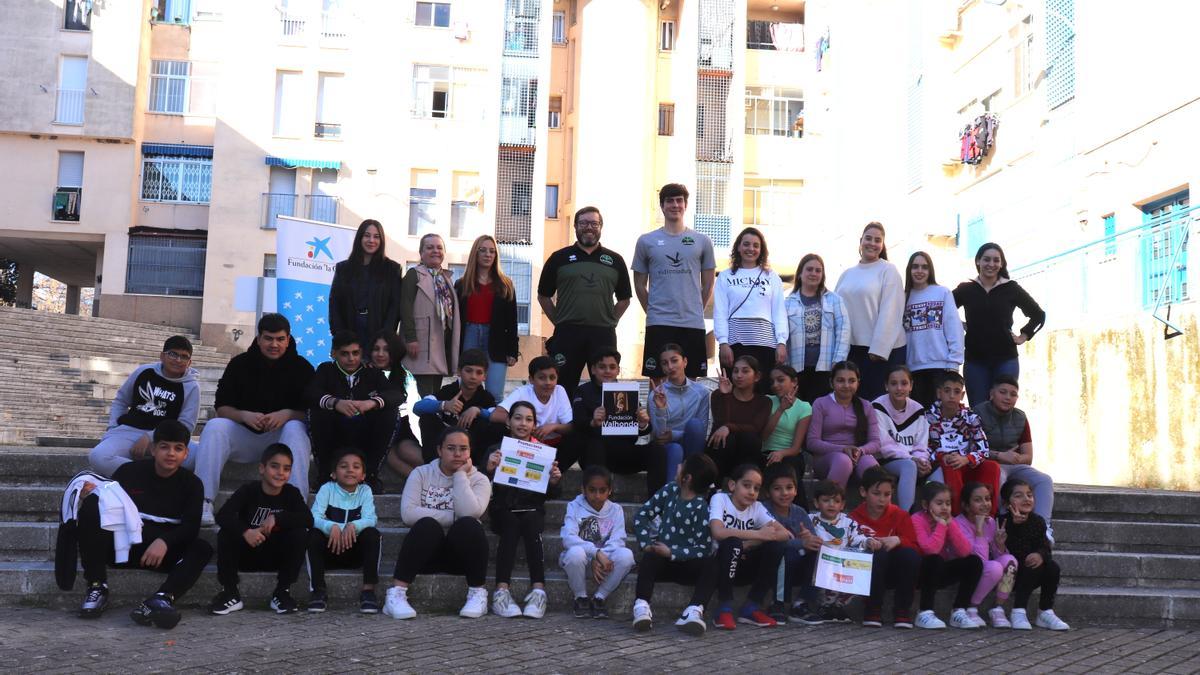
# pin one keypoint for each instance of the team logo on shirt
(571, 257)
(589, 279)
(606, 259)
(687, 241)
(675, 260)
(560, 360)
(735, 523)
(154, 400)
(651, 363)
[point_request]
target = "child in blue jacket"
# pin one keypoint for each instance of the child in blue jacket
(344, 534)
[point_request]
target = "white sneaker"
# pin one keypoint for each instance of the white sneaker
(535, 604)
(503, 605)
(206, 515)
(928, 620)
(692, 620)
(996, 614)
(396, 605)
(1020, 621)
(973, 613)
(1049, 620)
(643, 618)
(476, 604)
(960, 619)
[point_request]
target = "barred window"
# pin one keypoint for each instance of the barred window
(169, 86)
(177, 179)
(166, 265)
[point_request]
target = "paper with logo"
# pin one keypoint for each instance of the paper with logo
(620, 409)
(525, 465)
(843, 571)
(306, 253)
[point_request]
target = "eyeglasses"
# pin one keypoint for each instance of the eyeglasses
(176, 356)
(590, 223)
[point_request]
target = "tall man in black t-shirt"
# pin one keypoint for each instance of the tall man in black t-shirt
(576, 291)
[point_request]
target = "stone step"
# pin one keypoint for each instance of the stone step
(32, 583)
(1086, 502)
(16, 314)
(1083, 535)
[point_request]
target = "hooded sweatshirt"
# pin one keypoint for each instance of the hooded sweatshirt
(430, 493)
(684, 402)
(253, 382)
(335, 506)
(903, 434)
(148, 397)
(602, 530)
(933, 330)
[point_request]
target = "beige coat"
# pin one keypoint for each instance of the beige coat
(419, 323)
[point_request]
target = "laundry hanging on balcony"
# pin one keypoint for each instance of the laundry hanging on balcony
(788, 37)
(821, 48)
(977, 137)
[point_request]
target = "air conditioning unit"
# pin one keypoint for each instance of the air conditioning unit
(66, 204)
(462, 31)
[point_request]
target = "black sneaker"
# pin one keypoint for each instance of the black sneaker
(368, 603)
(225, 601)
(316, 601)
(158, 610)
(94, 602)
(282, 602)
(599, 611)
(777, 612)
(583, 608)
(827, 614)
(800, 613)
(840, 615)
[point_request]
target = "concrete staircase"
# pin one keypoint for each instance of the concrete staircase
(1129, 556)
(58, 373)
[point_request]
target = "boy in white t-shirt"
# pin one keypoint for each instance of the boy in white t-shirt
(750, 544)
(836, 530)
(552, 405)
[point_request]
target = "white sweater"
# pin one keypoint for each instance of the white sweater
(763, 296)
(874, 299)
(430, 493)
(602, 530)
(933, 329)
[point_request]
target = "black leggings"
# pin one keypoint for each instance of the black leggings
(737, 565)
(183, 562)
(895, 569)
(622, 455)
(428, 549)
(741, 447)
(937, 572)
(282, 552)
(1028, 578)
(524, 525)
(364, 553)
(370, 432)
(698, 572)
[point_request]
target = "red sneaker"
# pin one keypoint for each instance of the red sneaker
(725, 621)
(758, 618)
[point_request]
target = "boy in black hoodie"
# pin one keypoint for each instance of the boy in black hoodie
(352, 405)
(168, 498)
(264, 527)
(260, 401)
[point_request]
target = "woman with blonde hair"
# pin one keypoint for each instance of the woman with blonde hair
(429, 316)
(487, 304)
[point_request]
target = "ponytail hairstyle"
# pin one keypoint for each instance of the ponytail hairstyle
(701, 472)
(908, 282)
(860, 413)
(876, 225)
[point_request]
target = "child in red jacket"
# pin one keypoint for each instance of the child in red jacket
(896, 559)
(947, 558)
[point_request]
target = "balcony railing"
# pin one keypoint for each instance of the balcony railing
(70, 106)
(291, 25)
(327, 130)
(66, 204)
(321, 207)
(774, 35)
(333, 26)
(277, 204)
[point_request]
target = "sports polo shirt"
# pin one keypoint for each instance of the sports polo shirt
(585, 284)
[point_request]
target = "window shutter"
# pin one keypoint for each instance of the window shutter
(1060, 52)
(70, 169)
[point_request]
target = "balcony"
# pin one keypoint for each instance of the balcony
(291, 26)
(775, 36)
(517, 130)
(70, 106)
(322, 208)
(66, 204)
(333, 26)
(327, 130)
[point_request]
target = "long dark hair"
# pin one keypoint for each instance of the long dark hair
(797, 284)
(908, 282)
(876, 225)
(396, 352)
(735, 260)
(860, 412)
(356, 249)
(1003, 258)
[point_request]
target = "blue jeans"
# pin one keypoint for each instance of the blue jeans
(685, 443)
(980, 375)
(874, 373)
(476, 337)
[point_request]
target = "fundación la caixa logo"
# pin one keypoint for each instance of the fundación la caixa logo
(318, 256)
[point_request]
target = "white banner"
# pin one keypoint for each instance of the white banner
(843, 571)
(306, 253)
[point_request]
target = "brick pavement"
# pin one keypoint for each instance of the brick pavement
(52, 641)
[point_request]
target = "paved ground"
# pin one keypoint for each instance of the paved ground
(52, 641)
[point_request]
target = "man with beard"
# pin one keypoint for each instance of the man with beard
(576, 291)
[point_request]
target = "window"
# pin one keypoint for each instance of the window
(1060, 52)
(422, 201)
(521, 202)
(281, 200)
(521, 21)
(166, 265)
(323, 201)
(555, 119)
(329, 98)
(69, 193)
(771, 202)
(559, 28)
(171, 11)
(666, 119)
(666, 36)
(552, 202)
(518, 103)
(1164, 250)
(466, 209)
(433, 14)
(287, 103)
(169, 86)
(77, 15)
(521, 273)
(431, 91)
(269, 265)
(1110, 231)
(773, 111)
(72, 83)
(1024, 59)
(178, 178)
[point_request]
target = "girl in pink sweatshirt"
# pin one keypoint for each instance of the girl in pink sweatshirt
(976, 523)
(947, 559)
